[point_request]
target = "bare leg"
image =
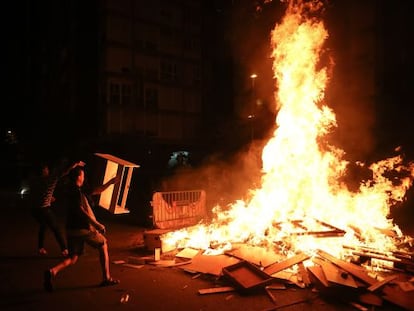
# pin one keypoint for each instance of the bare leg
(64, 264)
(51, 273)
(104, 260)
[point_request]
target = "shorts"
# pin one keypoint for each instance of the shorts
(76, 242)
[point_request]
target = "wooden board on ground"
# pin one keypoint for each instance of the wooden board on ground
(304, 274)
(353, 269)
(317, 272)
(187, 253)
(379, 284)
(215, 290)
(210, 264)
(335, 274)
(282, 265)
(254, 254)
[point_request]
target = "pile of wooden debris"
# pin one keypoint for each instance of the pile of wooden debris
(252, 269)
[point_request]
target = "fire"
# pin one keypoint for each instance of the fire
(302, 171)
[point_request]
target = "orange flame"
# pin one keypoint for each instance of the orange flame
(302, 172)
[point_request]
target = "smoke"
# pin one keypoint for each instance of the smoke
(250, 49)
(225, 178)
(351, 91)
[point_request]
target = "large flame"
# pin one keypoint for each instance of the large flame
(302, 172)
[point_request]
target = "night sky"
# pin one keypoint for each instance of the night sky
(14, 63)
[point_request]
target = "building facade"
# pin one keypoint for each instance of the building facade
(115, 69)
(152, 68)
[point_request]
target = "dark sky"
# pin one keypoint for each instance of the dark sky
(14, 63)
(248, 43)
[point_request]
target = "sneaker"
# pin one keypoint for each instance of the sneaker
(65, 253)
(42, 251)
(47, 281)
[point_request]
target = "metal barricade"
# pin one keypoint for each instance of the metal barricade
(178, 209)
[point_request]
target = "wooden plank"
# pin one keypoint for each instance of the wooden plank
(270, 294)
(279, 266)
(209, 264)
(383, 257)
(386, 280)
(214, 290)
(187, 262)
(188, 253)
(331, 233)
(353, 269)
(397, 254)
(304, 273)
(329, 230)
(330, 226)
(317, 272)
(276, 286)
(334, 274)
(255, 254)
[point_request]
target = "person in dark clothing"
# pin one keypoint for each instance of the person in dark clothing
(42, 194)
(82, 227)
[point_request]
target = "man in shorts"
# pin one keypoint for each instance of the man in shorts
(82, 227)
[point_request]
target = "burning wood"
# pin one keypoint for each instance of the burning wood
(276, 267)
(401, 261)
(325, 230)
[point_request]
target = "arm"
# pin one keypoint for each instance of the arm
(92, 220)
(71, 167)
(88, 213)
(99, 189)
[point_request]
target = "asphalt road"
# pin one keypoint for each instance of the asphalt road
(146, 287)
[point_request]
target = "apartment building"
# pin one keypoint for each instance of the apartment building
(152, 68)
(116, 69)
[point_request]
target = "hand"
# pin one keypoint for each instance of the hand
(79, 163)
(102, 229)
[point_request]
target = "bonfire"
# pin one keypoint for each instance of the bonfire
(303, 203)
